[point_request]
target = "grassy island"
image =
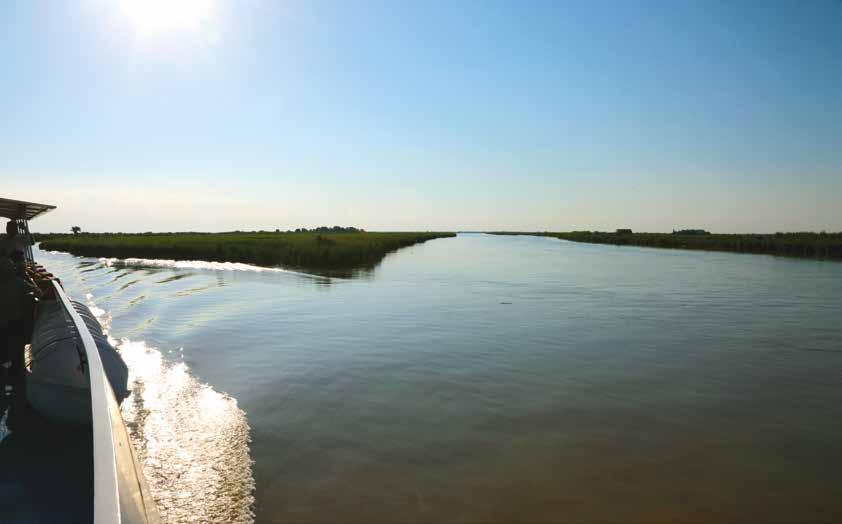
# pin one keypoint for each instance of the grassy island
(308, 250)
(811, 245)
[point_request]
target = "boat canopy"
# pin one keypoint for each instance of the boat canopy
(20, 210)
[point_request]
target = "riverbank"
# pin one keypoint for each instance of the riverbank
(805, 245)
(321, 251)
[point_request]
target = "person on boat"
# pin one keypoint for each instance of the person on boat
(19, 261)
(12, 242)
(17, 303)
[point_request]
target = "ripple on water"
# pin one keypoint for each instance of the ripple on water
(136, 300)
(177, 276)
(127, 284)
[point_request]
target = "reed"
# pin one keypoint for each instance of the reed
(308, 250)
(809, 245)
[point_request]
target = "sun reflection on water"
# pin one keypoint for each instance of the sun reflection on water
(192, 440)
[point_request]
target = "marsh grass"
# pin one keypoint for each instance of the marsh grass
(326, 251)
(810, 245)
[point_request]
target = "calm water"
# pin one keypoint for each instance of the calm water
(484, 378)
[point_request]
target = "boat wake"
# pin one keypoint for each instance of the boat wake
(192, 440)
(189, 264)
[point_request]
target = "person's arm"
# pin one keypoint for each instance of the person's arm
(31, 287)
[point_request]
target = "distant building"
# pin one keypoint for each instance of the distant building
(624, 231)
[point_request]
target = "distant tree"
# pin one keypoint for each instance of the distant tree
(76, 230)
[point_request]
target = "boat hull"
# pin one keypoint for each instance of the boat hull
(58, 386)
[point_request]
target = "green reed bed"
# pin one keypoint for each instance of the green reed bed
(301, 250)
(811, 245)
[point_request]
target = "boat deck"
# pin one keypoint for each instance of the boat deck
(46, 470)
(49, 470)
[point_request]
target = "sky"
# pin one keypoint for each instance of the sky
(214, 115)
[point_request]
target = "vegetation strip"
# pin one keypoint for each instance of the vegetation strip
(308, 250)
(810, 245)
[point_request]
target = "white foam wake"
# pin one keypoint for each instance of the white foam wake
(192, 440)
(189, 264)
(192, 264)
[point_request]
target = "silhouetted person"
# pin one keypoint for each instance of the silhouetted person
(17, 307)
(12, 243)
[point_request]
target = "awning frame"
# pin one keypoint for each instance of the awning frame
(22, 210)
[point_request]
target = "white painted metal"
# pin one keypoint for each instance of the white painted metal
(120, 492)
(106, 494)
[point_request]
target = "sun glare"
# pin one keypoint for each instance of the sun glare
(163, 17)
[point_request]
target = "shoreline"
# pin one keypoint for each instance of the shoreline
(815, 246)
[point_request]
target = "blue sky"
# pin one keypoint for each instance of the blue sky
(424, 115)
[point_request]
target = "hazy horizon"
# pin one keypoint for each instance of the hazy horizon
(207, 115)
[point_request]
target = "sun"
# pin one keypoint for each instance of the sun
(165, 17)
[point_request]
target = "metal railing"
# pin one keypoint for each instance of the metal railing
(120, 491)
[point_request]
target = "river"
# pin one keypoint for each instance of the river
(483, 378)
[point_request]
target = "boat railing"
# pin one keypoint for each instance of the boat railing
(120, 491)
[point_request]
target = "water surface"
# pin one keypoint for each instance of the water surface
(484, 378)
